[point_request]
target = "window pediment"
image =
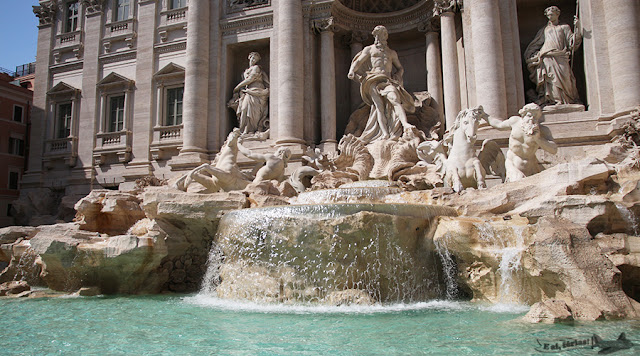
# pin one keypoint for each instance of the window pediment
(115, 81)
(63, 90)
(171, 70)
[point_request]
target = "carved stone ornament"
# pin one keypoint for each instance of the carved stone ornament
(235, 5)
(433, 25)
(93, 6)
(442, 6)
(46, 12)
(321, 25)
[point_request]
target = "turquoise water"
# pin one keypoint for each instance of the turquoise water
(199, 325)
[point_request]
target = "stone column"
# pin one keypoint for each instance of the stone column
(143, 123)
(450, 73)
(434, 69)
(327, 84)
(488, 57)
(90, 71)
(46, 14)
(355, 41)
(290, 78)
(196, 86)
(622, 23)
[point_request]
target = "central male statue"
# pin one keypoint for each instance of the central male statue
(381, 88)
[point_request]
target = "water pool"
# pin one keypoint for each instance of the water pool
(201, 325)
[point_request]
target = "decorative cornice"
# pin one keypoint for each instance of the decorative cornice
(93, 7)
(249, 24)
(46, 12)
(65, 67)
(170, 47)
(117, 57)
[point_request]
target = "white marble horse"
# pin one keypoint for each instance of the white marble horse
(463, 169)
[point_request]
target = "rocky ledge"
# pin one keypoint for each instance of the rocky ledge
(564, 241)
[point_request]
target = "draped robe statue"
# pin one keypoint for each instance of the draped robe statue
(548, 61)
(251, 104)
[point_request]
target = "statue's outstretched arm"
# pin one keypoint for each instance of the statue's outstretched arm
(501, 125)
(545, 140)
(251, 155)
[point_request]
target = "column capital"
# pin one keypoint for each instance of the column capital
(324, 25)
(46, 13)
(93, 7)
(442, 6)
(431, 25)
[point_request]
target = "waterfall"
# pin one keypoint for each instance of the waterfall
(449, 267)
(308, 253)
(629, 218)
(508, 256)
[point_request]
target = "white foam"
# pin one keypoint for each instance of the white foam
(209, 301)
(510, 308)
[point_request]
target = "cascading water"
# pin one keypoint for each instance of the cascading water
(317, 253)
(509, 257)
(449, 268)
(629, 218)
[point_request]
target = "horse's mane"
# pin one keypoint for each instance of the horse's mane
(227, 143)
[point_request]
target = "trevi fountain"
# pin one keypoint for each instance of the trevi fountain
(408, 238)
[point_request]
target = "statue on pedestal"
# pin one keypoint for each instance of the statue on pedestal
(548, 59)
(251, 98)
(381, 88)
(527, 135)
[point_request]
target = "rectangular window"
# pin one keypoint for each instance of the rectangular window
(122, 10)
(17, 113)
(64, 120)
(176, 4)
(16, 146)
(14, 178)
(174, 106)
(116, 113)
(73, 9)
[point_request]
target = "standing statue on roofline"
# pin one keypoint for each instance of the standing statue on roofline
(549, 60)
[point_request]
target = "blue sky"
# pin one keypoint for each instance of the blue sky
(18, 33)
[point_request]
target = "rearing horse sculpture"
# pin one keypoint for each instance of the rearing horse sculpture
(463, 169)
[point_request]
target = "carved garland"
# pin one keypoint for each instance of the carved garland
(93, 6)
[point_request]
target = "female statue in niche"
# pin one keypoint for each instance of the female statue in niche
(548, 59)
(251, 96)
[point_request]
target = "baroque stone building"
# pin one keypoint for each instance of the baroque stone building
(131, 88)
